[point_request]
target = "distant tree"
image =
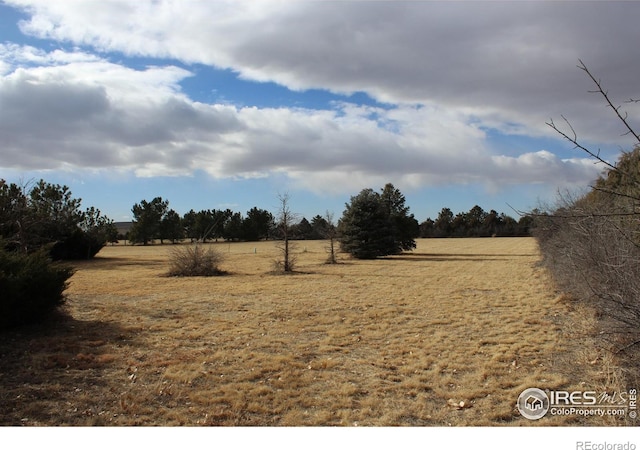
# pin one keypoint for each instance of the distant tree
(375, 224)
(303, 230)
(233, 227)
(318, 227)
(474, 221)
(443, 223)
(428, 228)
(221, 217)
(189, 225)
(171, 227)
(257, 224)
(510, 227)
(525, 224)
(459, 226)
(205, 224)
(146, 220)
(492, 224)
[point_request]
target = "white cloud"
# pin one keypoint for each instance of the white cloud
(450, 70)
(544, 167)
(512, 63)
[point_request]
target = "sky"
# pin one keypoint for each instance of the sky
(229, 104)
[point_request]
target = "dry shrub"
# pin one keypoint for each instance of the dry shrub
(195, 261)
(594, 255)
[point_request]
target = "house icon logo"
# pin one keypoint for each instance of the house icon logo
(533, 403)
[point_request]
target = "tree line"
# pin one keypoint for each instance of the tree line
(475, 223)
(155, 221)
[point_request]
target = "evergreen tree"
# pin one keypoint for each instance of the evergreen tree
(404, 226)
(375, 224)
(48, 214)
(319, 226)
(233, 227)
(303, 230)
(146, 219)
(171, 227)
(443, 223)
(257, 225)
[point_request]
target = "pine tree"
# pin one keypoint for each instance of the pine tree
(375, 224)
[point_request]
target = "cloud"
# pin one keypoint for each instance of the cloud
(543, 166)
(85, 113)
(511, 64)
(448, 71)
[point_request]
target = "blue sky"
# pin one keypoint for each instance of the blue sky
(228, 104)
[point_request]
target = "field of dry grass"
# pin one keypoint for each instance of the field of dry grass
(449, 334)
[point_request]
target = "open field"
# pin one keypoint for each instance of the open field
(449, 334)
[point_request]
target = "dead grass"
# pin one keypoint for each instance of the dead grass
(447, 335)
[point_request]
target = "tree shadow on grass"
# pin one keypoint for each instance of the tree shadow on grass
(474, 257)
(118, 262)
(44, 367)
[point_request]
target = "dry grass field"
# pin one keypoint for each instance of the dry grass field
(449, 334)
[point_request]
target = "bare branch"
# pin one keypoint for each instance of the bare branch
(574, 140)
(619, 194)
(605, 94)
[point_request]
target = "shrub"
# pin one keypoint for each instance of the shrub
(79, 245)
(591, 244)
(195, 261)
(32, 286)
(593, 254)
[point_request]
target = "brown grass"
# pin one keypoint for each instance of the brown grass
(447, 335)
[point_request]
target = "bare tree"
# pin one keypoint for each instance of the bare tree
(285, 220)
(331, 233)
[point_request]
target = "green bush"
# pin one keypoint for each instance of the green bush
(31, 286)
(78, 245)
